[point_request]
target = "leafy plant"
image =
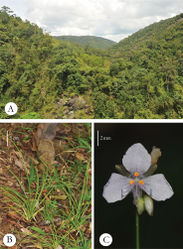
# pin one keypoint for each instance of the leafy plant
(28, 203)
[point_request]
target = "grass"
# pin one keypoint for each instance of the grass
(54, 206)
(28, 203)
(73, 218)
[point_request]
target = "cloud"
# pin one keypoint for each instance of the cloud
(110, 19)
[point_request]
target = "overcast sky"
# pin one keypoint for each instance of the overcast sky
(112, 19)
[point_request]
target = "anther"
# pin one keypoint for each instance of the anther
(136, 173)
(131, 182)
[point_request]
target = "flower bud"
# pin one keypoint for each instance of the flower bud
(140, 205)
(148, 202)
(155, 154)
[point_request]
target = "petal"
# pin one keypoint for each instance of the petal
(116, 188)
(137, 159)
(157, 187)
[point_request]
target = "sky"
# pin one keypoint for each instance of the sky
(111, 19)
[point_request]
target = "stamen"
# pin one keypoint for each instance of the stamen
(136, 173)
(131, 182)
(141, 182)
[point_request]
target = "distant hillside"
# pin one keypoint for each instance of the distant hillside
(90, 41)
(163, 30)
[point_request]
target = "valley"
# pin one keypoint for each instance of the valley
(139, 77)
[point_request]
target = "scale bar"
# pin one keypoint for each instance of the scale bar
(98, 138)
(7, 138)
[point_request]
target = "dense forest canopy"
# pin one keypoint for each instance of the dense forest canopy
(140, 77)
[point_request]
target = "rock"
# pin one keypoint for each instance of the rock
(47, 151)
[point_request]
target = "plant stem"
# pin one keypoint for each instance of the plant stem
(137, 232)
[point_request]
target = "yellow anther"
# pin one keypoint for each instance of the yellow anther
(131, 182)
(136, 173)
(141, 182)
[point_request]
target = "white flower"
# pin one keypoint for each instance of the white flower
(137, 161)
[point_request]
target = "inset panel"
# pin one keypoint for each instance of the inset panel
(45, 185)
(138, 167)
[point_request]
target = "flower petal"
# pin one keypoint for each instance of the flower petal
(137, 159)
(157, 187)
(116, 188)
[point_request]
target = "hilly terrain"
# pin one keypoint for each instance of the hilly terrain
(88, 41)
(140, 77)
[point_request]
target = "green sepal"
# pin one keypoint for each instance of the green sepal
(151, 170)
(121, 169)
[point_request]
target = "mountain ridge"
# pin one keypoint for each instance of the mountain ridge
(154, 30)
(90, 41)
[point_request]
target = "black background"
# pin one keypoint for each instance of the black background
(165, 228)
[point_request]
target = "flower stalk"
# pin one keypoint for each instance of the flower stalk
(137, 232)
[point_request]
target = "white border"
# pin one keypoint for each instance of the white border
(92, 121)
(92, 186)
